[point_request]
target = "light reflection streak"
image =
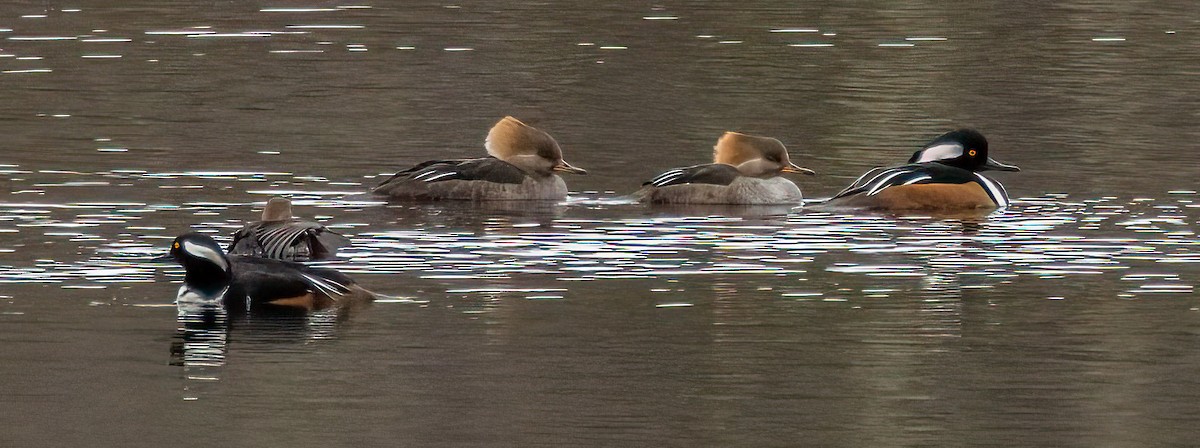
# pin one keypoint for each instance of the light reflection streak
(1040, 238)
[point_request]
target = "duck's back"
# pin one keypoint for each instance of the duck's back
(922, 186)
(483, 179)
(717, 184)
(264, 282)
(292, 240)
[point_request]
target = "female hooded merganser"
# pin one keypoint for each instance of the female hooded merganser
(249, 283)
(944, 175)
(746, 170)
(283, 237)
(521, 166)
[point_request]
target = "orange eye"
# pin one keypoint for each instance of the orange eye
(176, 245)
(971, 153)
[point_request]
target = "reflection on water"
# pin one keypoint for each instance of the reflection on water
(1140, 248)
(1052, 238)
(1066, 319)
(586, 239)
(753, 302)
(199, 348)
(205, 337)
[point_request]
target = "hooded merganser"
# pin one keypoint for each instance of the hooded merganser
(943, 175)
(283, 237)
(247, 283)
(521, 166)
(745, 170)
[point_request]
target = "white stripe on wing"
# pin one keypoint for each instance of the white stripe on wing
(666, 177)
(326, 286)
(879, 185)
(917, 179)
(994, 189)
(439, 176)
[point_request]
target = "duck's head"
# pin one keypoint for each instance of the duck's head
(277, 209)
(207, 266)
(527, 148)
(755, 156)
(963, 148)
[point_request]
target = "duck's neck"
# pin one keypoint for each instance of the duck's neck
(532, 165)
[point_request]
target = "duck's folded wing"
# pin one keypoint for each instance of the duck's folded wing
(287, 240)
(488, 169)
(858, 183)
(262, 280)
(713, 174)
(325, 242)
(878, 179)
(245, 242)
(328, 281)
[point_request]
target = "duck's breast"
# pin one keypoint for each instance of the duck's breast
(548, 188)
(775, 190)
(743, 190)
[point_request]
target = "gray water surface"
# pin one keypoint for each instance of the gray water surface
(1067, 319)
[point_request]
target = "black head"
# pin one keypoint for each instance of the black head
(963, 148)
(207, 266)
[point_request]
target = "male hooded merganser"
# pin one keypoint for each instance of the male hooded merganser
(746, 170)
(944, 175)
(283, 237)
(521, 166)
(240, 282)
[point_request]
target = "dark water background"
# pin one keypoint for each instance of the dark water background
(1069, 319)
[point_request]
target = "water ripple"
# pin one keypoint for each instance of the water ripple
(1147, 246)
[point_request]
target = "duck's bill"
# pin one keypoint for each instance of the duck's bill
(793, 168)
(992, 164)
(567, 168)
(168, 258)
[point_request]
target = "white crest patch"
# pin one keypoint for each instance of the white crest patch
(278, 240)
(206, 253)
(940, 152)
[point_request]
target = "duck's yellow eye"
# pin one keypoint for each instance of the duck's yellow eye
(971, 153)
(175, 246)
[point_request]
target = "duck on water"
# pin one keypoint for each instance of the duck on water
(746, 170)
(522, 164)
(237, 282)
(943, 175)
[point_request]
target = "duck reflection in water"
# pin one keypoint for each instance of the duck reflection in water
(266, 300)
(475, 216)
(204, 334)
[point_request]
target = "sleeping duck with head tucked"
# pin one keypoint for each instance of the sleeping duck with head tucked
(746, 170)
(522, 164)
